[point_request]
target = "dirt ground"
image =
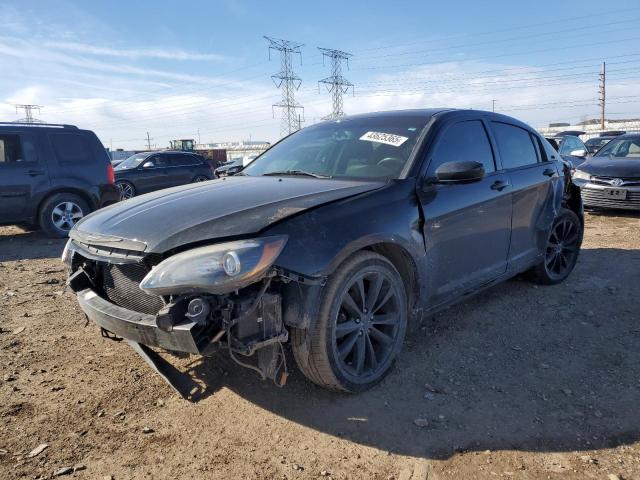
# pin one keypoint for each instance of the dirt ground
(519, 382)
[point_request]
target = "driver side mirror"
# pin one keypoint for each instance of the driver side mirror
(579, 153)
(148, 165)
(453, 172)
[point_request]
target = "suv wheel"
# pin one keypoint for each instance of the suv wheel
(61, 212)
(127, 190)
(200, 178)
(360, 328)
(563, 248)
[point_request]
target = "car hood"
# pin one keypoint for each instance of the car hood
(228, 207)
(612, 167)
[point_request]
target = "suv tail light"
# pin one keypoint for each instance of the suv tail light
(111, 176)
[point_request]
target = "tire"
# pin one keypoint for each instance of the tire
(127, 190)
(200, 178)
(371, 346)
(562, 250)
(60, 212)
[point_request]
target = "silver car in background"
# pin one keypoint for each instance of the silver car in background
(611, 179)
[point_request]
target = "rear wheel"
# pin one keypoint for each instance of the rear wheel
(61, 212)
(562, 250)
(127, 190)
(200, 178)
(360, 327)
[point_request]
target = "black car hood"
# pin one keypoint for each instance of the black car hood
(612, 167)
(166, 219)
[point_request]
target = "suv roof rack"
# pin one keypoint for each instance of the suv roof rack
(41, 125)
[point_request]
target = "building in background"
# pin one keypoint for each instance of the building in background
(245, 150)
(592, 127)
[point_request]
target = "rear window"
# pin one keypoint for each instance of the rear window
(71, 148)
(515, 145)
(178, 160)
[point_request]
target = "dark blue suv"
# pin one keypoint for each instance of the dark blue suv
(52, 175)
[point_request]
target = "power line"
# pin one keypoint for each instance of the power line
(336, 84)
(288, 82)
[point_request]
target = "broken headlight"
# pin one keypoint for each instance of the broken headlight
(215, 269)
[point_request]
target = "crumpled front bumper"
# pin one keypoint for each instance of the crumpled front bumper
(140, 327)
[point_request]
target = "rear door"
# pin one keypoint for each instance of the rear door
(531, 173)
(22, 175)
(466, 225)
(181, 168)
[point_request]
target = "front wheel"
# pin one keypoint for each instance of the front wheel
(562, 250)
(360, 327)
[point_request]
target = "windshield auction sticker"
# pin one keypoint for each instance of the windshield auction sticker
(388, 138)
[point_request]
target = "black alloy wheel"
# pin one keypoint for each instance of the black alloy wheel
(563, 247)
(562, 250)
(367, 325)
(358, 327)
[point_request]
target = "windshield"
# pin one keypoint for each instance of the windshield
(376, 147)
(621, 148)
(133, 161)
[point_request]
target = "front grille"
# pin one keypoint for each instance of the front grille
(606, 181)
(121, 285)
(595, 198)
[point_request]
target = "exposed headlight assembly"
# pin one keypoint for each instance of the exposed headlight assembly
(580, 175)
(216, 269)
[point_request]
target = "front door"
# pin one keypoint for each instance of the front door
(466, 225)
(153, 174)
(22, 174)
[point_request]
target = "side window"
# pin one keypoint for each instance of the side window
(161, 161)
(178, 160)
(11, 150)
(71, 148)
(515, 145)
(463, 142)
(542, 153)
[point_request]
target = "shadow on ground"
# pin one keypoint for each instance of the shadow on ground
(515, 368)
(19, 244)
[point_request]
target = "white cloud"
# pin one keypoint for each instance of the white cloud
(134, 53)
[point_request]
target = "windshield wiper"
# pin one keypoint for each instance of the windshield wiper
(296, 172)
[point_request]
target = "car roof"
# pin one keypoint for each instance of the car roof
(444, 113)
(38, 126)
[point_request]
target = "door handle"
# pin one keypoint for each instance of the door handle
(549, 172)
(34, 173)
(499, 185)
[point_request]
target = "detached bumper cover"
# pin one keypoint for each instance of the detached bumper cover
(140, 327)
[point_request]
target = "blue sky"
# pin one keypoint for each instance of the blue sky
(178, 68)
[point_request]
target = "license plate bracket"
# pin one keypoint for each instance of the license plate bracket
(615, 193)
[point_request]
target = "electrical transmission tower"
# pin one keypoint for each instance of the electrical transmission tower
(602, 91)
(148, 139)
(28, 113)
(288, 82)
(336, 84)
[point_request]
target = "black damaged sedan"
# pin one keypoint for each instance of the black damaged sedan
(337, 240)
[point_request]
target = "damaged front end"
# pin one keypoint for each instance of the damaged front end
(226, 295)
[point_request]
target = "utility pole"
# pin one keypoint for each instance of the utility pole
(288, 82)
(493, 105)
(336, 84)
(28, 112)
(149, 141)
(602, 91)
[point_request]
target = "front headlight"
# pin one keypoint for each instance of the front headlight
(580, 175)
(216, 269)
